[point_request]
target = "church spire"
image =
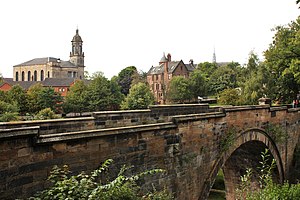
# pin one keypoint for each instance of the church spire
(214, 59)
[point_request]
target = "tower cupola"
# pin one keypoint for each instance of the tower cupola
(77, 55)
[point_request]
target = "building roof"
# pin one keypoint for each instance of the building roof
(24, 84)
(38, 61)
(45, 60)
(57, 82)
(48, 82)
(171, 67)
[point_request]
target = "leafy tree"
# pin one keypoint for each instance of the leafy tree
(98, 94)
(283, 60)
(139, 97)
(229, 96)
(76, 99)
(8, 112)
(139, 77)
(125, 78)
(17, 94)
(48, 98)
(89, 186)
(116, 95)
(207, 68)
(198, 83)
(179, 90)
(224, 77)
(33, 97)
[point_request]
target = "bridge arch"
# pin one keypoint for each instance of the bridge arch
(249, 143)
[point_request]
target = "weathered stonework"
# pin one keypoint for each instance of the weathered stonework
(188, 141)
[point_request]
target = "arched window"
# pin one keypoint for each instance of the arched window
(48, 74)
(35, 76)
(42, 75)
(17, 76)
(28, 76)
(23, 76)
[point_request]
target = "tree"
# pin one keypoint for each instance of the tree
(98, 94)
(17, 94)
(8, 111)
(139, 77)
(116, 97)
(33, 97)
(283, 60)
(76, 98)
(179, 90)
(48, 98)
(222, 78)
(207, 68)
(139, 97)
(198, 83)
(229, 96)
(125, 78)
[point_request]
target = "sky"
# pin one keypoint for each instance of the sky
(121, 33)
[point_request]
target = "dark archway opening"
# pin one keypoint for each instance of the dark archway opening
(248, 155)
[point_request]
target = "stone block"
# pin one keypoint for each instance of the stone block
(24, 152)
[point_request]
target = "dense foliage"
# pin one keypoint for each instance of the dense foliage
(283, 60)
(94, 186)
(268, 189)
(139, 97)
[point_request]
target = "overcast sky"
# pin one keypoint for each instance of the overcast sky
(121, 33)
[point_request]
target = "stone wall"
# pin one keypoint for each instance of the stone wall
(183, 140)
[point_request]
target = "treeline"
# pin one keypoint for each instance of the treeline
(277, 77)
(128, 90)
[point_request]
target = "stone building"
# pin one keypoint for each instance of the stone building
(159, 77)
(39, 69)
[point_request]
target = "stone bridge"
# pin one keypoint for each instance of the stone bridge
(191, 142)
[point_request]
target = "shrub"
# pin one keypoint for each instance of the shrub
(46, 113)
(90, 186)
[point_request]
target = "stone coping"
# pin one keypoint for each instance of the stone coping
(239, 108)
(17, 132)
(58, 137)
(46, 121)
(121, 112)
(194, 117)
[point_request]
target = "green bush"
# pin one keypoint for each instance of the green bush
(90, 186)
(268, 189)
(46, 113)
(229, 97)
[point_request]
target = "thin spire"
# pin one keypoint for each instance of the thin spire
(214, 60)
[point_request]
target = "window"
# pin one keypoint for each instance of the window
(69, 74)
(48, 74)
(42, 75)
(17, 76)
(181, 68)
(28, 76)
(74, 74)
(35, 76)
(23, 76)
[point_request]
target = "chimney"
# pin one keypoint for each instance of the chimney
(191, 62)
(169, 57)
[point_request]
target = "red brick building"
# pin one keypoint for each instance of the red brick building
(159, 77)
